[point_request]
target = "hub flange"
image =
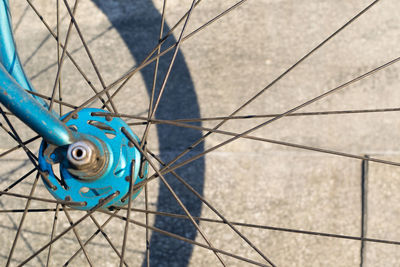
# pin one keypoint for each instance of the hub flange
(101, 162)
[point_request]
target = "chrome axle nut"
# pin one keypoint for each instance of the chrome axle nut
(80, 153)
(85, 160)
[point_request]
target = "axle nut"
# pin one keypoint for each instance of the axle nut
(80, 154)
(85, 160)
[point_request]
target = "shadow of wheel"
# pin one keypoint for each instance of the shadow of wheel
(139, 28)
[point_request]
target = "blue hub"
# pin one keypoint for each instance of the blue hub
(115, 162)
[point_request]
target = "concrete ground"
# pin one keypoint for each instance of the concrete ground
(248, 181)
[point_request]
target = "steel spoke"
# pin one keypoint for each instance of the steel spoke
(69, 203)
(144, 154)
(53, 230)
(67, 53)
(60, 65)
(100, 229)
(170, 32)
(35, 210)
(364, 208)
(157, 48)
(13, 133)
(106, 237)
(178, 237)
(261, 139)
(126, 77)
(203, 200)
(32, 157)
(29, 153)
(164, 83)
(334, 90)
(18, 181)
(157, 61)
(146, 206)
(270, 85)
(246, 117)
(149, 116)
(19, 146)
(171, 166)
(78, 238)
(72, 14)
(91, 211)
(128, 214)
(21, 222)
(147, 61)
(55, 100)
(266, 227)
(58, 58)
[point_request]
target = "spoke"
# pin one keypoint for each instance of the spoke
(261, 139)
(100, 229)
(72, 14)
(246, 117)
(147, 61)
(67, 53)
(304, 58)
(146, 206)
(61, 61)
(266, 227)
(170, 32)
(21, 222)
(78, 238)
(203, 200)
(164, 83)
(128, 214)
(177, 199)
(34, 210)
(149, 114)
(69, 203)
(72, 52)
(151, 121)
(9, 113)
(334, 90)
(157, 48)
(268, 86)
(258, 94)
(364, 208)
(53, 229)
(95, 208)
(32, 157)
(18, 181)
(29, 153)
(58, 58)
(126, 77)
(55, 100)
(178, 237)
(106, 237)
(13, 133)
(19, 146)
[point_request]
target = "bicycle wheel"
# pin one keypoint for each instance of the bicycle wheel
(301, 100)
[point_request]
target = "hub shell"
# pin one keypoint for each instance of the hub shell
(122, 162)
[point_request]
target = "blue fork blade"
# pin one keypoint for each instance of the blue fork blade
(22, 104)
(8, 53)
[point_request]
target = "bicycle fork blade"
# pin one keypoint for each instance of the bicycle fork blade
(26, 108)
